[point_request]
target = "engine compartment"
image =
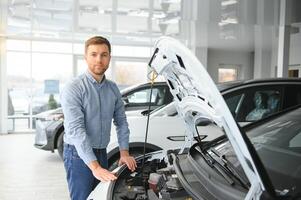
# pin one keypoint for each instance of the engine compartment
(156, 179)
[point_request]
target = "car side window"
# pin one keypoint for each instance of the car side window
(252, 104)
(143, 96)
(265, 103)
(233, 103)
(292, 96)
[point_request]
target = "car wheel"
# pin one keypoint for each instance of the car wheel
(60, 144)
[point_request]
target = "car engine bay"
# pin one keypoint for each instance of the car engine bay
(156, 179)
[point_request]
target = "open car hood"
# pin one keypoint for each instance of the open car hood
(198, 100)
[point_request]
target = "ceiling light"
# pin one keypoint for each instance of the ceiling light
(229, 2)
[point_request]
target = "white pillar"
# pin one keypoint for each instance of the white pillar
(263, 53)
(194, 26)
(263, 41)
(284, 38)
(3, 82)
(3, 88)
(202, 54)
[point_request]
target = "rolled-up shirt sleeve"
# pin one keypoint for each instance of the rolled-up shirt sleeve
(74, 123)
(121, 123)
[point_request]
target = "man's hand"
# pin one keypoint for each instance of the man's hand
(100, 173)
(125, 158)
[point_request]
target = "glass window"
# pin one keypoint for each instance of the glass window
(227, 74)
(53, 47)
(255, 103)
(131, 51)
(49, 67)
(280, 138)
(18, 19)
(130, 24)
(292, 95)
(128, 4)
(19, 82)
(166, 17)
(143, 96)
(18, 45)
(130, 73)
(263, 103)
(19, 94)
(79, 48)
(94, 22)
(233, 103)
(94, 16)
(51, 16)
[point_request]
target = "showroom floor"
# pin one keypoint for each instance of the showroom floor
(27, 173)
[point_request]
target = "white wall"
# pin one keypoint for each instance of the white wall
(243, 59)
(295, 49)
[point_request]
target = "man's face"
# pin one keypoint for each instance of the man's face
(98, 58)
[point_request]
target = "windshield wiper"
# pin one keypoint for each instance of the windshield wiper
(228, 167)
(214, 164)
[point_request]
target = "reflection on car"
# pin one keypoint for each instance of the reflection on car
(261, 160)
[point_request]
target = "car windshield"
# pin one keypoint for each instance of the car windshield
(278, 144)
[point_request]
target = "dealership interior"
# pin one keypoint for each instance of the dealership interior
(42, 49)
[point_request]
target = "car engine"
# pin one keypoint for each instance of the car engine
(156, 179)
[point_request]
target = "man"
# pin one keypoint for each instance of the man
(89, 103)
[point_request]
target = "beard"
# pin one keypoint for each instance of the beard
(99, 71)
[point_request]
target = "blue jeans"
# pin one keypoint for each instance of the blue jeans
(81, 181)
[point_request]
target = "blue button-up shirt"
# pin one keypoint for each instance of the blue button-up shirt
(89, 107)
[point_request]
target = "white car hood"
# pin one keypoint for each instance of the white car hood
(197, 98)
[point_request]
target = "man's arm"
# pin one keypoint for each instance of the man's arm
(74, 122)
(123, 133)
(76, 132)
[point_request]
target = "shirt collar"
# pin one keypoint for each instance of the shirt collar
(91, 78)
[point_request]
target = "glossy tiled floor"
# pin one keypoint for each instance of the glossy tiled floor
(27, 173)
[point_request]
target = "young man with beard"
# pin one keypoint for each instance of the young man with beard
(89, 103)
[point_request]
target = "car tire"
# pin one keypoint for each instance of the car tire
(60, 144)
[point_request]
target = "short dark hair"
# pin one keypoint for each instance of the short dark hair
(97, 40)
